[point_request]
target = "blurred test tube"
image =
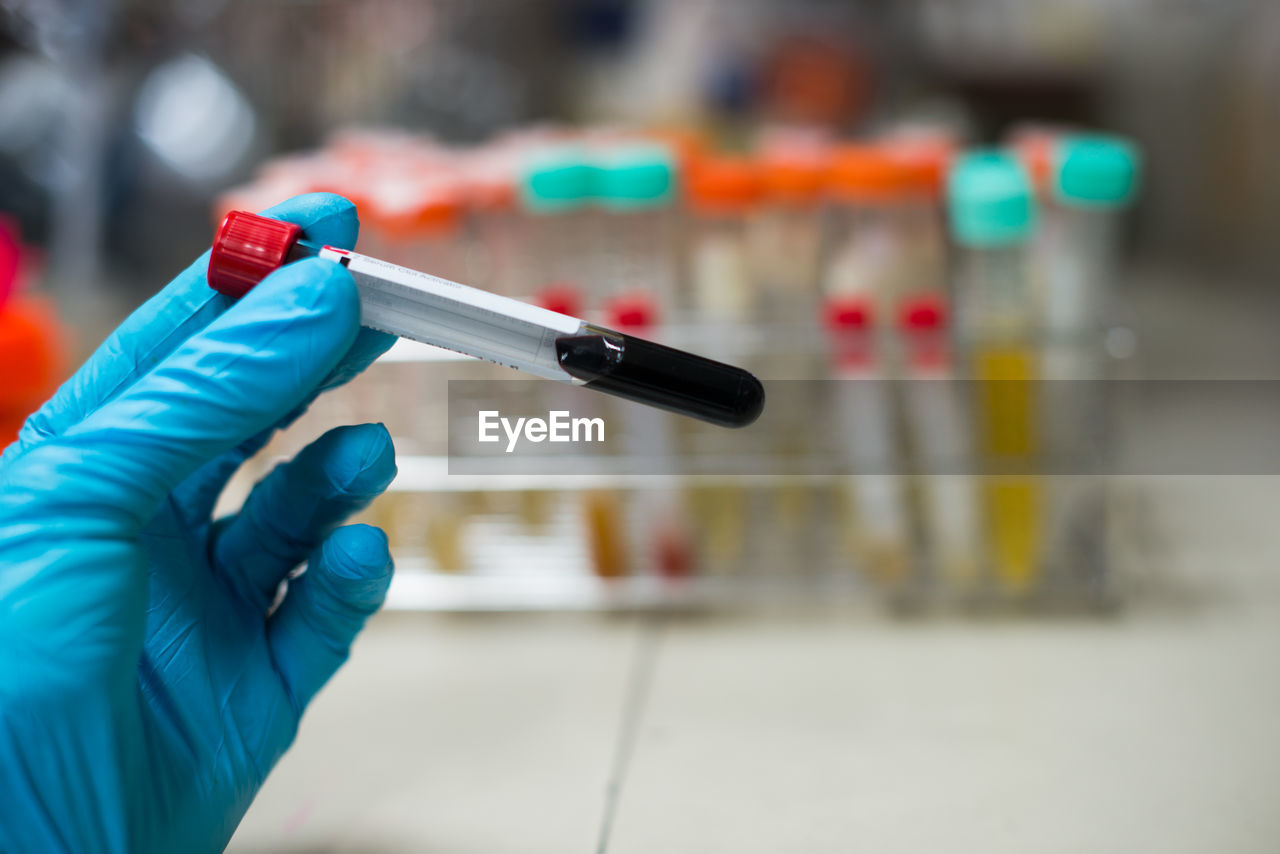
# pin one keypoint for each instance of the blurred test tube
(940, 436)
(865, 253)
(495, 249)
(787, 235)
(635, 191)
(864, 415)
(556, 191)
(722, 195)
(661, 538)
(1088, 181)
(556, 186)
(991, 216)
(416, 222)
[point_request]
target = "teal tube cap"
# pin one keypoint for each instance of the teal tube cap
(1096, 171)
(989, 199)
(557, 180)
(636, 176)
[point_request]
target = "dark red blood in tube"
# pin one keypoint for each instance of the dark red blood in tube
(669, 379)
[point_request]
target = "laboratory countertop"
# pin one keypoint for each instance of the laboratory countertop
(1153, 730)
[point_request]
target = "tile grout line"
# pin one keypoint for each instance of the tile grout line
(639, 681)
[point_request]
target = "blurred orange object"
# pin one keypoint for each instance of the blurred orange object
(408, 210)
(866, 174)
(923, 164)
(722, 185)
(825, 80)
(793, 181)
(33, 351)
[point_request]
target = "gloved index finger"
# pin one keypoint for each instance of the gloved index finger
(163, 323)
(233, 379)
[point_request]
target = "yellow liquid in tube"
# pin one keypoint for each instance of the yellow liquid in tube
(1008, 434)
(606, 533)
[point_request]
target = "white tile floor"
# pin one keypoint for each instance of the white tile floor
(1156, 731)
(482, 735)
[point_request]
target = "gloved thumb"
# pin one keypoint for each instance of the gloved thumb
(242, 373)
(325, 608)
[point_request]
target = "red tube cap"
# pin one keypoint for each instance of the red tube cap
(923, 313)
(246, 249)
(848, 313)
(634, 310)
(561, 297)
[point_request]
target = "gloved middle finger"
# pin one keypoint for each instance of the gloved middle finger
(297, 505)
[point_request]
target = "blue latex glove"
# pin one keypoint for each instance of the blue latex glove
(145, 691)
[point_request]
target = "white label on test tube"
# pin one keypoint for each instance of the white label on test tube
(427, 308)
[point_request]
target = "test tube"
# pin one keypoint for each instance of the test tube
(787, 235)
(864, 412)
(922, 166)
(940, 437)
(635, 190)
(496, 248)
(1091, 180)
(991, 217)
(608, 547)
(659, 514)
(436, 311)
(864, 254)
(722, 195)
(417, 222)
(556, 188)
(1035, 144)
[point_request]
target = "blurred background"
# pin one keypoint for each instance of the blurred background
(948, 230)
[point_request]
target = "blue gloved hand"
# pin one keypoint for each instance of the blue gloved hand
(145, 691)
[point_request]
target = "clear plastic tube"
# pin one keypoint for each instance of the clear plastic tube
(997, 322)
(1076, 250)
(426, 308)
(1076, 254)
(555, 346)
(436, 311)
(940, 435)
(863, 407)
